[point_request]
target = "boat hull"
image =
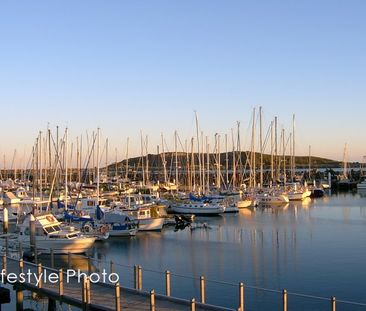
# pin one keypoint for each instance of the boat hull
(196, 209)
(152, 224)
(62, 246)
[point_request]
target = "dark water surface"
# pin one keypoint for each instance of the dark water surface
(316, 247)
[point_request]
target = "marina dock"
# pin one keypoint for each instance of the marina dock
(87, 294)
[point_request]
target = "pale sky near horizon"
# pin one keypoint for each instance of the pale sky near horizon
(132, 66)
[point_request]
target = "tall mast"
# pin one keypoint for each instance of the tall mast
(226, 162)
(66, 167)
(310, 162)
(284, 155)
(218, 162)
(272, 164)
(253, 151)
(233, 160)
(239, 152)
(163, 158)
(293, 147)
(98, 151)
(203, 164)
(77, 158)
(106, 158)
(188, 175)
(345, 173)
(40, 164)
(147, 159)
(276, 151)
(49, 153)
(199, 152)
(176, 158)
(126, 175)
(207, 164)
(142, 160)
(261, 146)
(193, 173)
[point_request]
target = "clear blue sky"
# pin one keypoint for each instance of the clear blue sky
(128, 66)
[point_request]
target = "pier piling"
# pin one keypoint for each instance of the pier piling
(139, 277)
(39, 274)
(60, 282)
(167, 283)
(284, 299)
(21, 266)
(193, 304)
(117, 291)
(333, 303)
(241, 296)
(202, 289)
(19, 299)
(84, 292)
(152, 300)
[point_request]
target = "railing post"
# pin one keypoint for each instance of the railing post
(152, 300)
(60, 282)
(284, 299)
(140, 277)
(52, 258)
(84, 289)
(333, 303)
(19, 299)
(39, 273)
(202, 289)
(87, 291)
(241, 296)
(167, 283)
(117, 291)
(193, 304)
(21, 265)
(5, 266)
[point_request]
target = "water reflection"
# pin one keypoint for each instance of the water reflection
(315, 246)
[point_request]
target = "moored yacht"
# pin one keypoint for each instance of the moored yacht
(50, 233)
(271, 198)
(196, 208)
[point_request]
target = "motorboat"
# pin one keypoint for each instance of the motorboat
(51, 234)
(144, 218)
(271, 198)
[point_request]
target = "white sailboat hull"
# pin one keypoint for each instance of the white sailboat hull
(151, 224)
(196, 209)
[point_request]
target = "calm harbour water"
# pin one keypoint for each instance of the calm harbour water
(316, 247)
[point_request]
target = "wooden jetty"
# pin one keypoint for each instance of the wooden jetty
(87, 294)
